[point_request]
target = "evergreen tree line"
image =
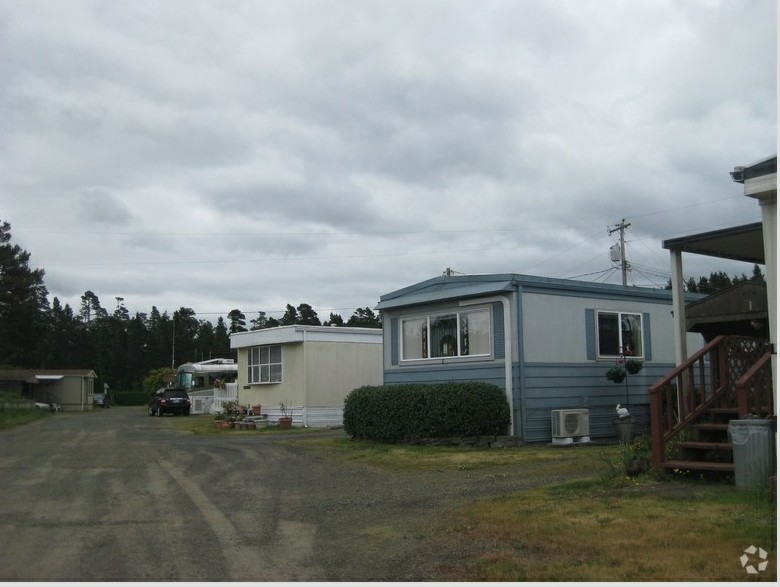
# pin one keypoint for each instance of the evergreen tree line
(719, 281)
(121, 348)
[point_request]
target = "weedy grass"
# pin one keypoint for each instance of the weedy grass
(12, 415)
(405, 457)
(600, 526)
(603, 525)
(590, 530)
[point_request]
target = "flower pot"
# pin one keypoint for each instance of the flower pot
(285, 422)
(616, 374)
(624, 428)
(236, 425)
(226, 424)
(218, 423)
(633, 366)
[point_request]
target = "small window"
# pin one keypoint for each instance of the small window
(619, 333)
(265, 364)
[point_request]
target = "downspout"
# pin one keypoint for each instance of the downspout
(508, 354)
(305, 414)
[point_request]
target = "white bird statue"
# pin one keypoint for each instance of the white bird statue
(621, 411)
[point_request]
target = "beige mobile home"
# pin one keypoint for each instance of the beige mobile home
(310, 368)
(72, 389)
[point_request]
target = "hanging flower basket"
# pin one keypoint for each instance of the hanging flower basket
(616, 374)
(634, 366)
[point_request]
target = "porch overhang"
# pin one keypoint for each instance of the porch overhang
(739, 243)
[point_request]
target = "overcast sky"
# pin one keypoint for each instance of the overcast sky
(249, 154)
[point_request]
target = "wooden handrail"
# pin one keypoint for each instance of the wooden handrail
(754, 389)
(734, 377)
(675, 401)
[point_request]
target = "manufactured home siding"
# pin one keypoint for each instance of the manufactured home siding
(561, 329)
(335, 369)
(289, 391)
(489, 372)
(557, 386)
(320, 366)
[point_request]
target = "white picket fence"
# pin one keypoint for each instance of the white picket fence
(228, 393)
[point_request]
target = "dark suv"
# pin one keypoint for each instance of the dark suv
(169, 401)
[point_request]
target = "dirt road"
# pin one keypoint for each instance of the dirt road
(118, 496)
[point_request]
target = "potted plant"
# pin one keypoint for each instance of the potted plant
(285, 420)
(633, 366)
(616, 374)
(228, 416)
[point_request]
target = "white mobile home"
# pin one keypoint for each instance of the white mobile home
(310, 368)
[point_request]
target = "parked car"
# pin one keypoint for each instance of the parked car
(169, 401)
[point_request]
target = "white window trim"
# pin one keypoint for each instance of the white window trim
(457, 311)
(250, 365)
(619, 313)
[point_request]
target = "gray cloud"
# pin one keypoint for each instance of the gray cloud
(193, 154)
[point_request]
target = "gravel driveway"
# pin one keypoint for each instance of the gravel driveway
(114, 495)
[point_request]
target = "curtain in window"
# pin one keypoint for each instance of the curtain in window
(444, 336)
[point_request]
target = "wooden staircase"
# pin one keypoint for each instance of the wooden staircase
(690, 409)
(709, 449)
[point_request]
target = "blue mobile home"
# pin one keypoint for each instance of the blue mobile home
(547, 342)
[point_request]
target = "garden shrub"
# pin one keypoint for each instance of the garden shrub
(411, 412)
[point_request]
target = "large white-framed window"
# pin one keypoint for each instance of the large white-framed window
(265, 364)
(619, 333)
(460, 333)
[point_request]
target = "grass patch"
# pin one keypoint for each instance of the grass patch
(596, 531)
(405, 457)
(602, 526)
(10, 417)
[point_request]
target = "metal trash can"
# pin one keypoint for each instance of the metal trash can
(753, 449)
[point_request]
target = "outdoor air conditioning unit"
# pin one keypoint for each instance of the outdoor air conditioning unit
(570, 426)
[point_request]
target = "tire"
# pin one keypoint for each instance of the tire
(159, 412)
(151, 410)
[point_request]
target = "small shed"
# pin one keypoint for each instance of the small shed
(308, 368)
(72, 389)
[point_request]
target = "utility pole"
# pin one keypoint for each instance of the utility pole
(623, 263)
(173, 343)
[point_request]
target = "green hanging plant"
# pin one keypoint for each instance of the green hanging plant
(616, 374)
(634, 366)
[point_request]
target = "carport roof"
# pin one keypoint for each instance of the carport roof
(739, 243)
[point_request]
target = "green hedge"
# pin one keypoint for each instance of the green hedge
(411, 412)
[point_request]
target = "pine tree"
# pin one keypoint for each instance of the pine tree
(365, 318)
(23, 306)
(307, 316)
(237, 321)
